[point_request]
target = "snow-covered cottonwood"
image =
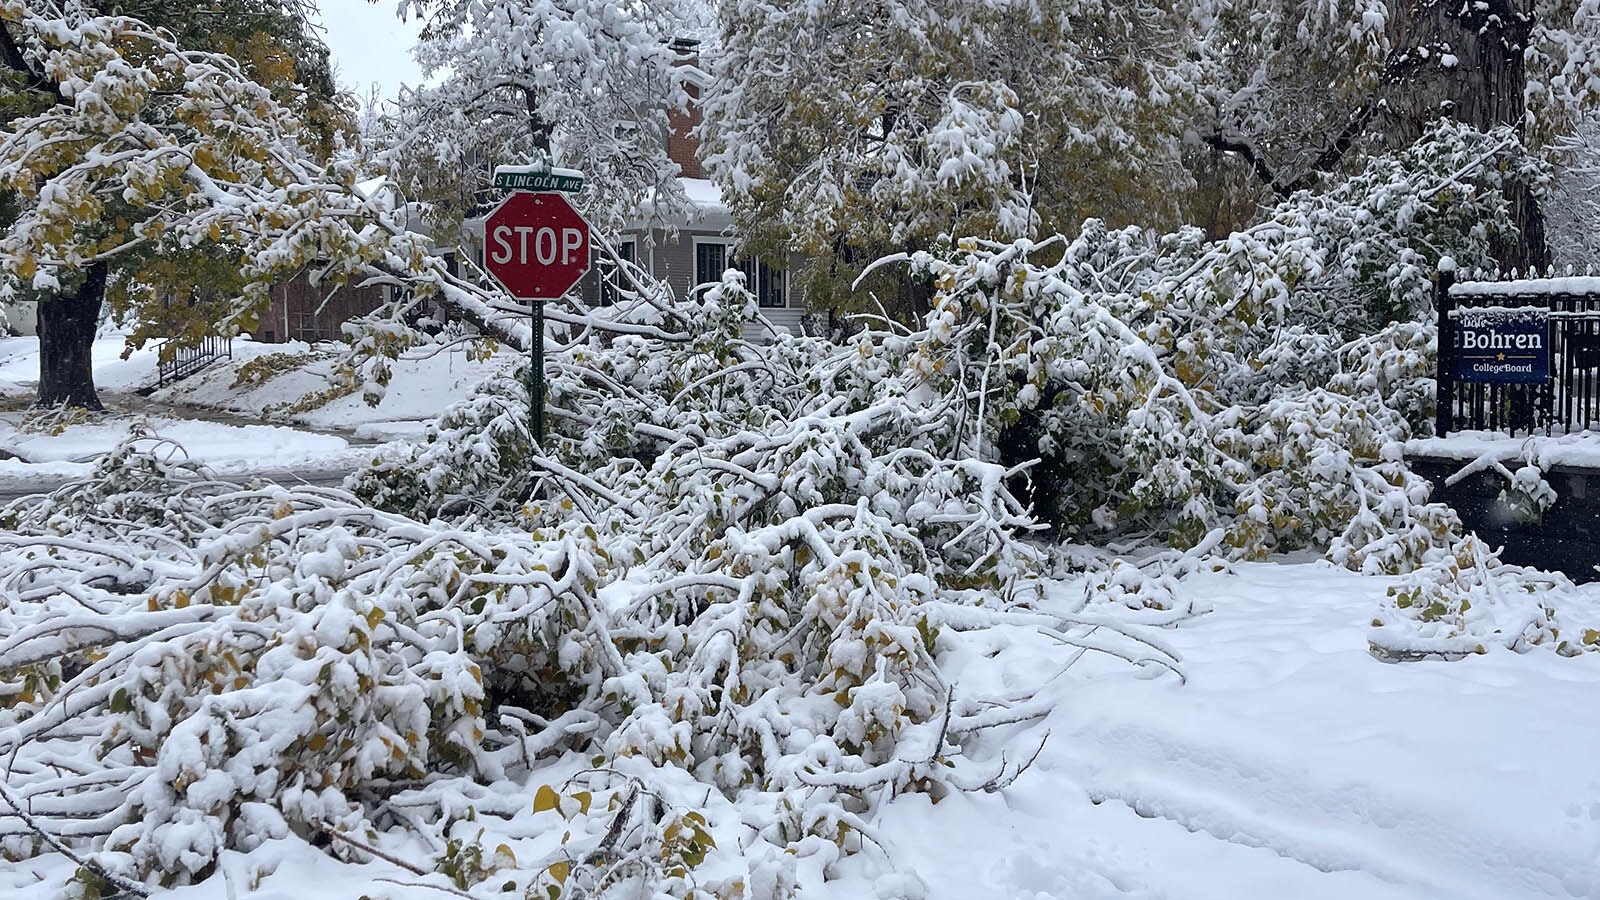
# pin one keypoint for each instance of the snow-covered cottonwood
(129, 158)
(588, 83)
(844, 130)
(1294, 87)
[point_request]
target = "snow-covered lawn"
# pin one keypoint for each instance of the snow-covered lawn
(424, 383)
(226, 448)
(314, 439)
(1291, 764)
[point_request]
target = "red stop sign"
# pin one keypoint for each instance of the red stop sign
(536, 245)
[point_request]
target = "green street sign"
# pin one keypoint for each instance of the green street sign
(508, 179)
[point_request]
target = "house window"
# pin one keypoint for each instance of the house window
(770, 285)
(609, 284)
(710, 260)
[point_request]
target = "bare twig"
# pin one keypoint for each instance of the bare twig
(126, 885)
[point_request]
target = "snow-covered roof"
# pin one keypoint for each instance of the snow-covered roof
(704, 195)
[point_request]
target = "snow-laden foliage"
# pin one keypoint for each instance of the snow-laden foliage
(585, 82)
(847, 130)
(1468, 601)
(1257, 384)
(1294, 85)
(171, 167)
(167, 149)
(709, 613)
(717, 625)
(225, 666)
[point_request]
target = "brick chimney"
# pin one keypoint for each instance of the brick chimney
(681, 147)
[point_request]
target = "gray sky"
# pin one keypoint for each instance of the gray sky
(370, 44)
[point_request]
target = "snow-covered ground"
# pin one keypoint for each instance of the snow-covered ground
(214, 416)
(1291, 764)
(424, 382)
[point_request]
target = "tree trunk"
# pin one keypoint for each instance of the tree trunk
(1482, 89)
(67, 323)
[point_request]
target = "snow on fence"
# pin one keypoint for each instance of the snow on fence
(1567, 399)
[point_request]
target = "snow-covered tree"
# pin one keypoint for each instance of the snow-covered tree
(583, 83)
(128, 156)
(844, 131)
(1297, 88)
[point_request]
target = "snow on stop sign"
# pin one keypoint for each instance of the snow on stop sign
(536, 245)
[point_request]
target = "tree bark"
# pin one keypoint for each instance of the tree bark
(67, 323)
(1482, 89)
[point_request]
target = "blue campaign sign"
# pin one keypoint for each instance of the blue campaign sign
(1503, 345)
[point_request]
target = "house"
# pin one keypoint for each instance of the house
(701, 247)
(697, 252)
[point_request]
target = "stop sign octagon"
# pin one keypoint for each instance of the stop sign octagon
(536, 245)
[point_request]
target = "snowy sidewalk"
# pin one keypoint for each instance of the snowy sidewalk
(1292, 765)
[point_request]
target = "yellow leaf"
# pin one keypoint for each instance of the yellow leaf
(560, 870)
(584, 798)
(545, 798)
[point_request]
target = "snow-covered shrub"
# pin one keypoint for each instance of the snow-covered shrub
(1527, 494)
(743, 585)
(474, 457)
(1468, 600)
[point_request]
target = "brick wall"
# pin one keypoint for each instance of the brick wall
(301, 312)
(681, 148)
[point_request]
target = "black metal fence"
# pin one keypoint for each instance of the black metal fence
(177, 362)
(1568, 400)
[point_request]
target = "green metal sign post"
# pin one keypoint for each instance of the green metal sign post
(536, 377)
